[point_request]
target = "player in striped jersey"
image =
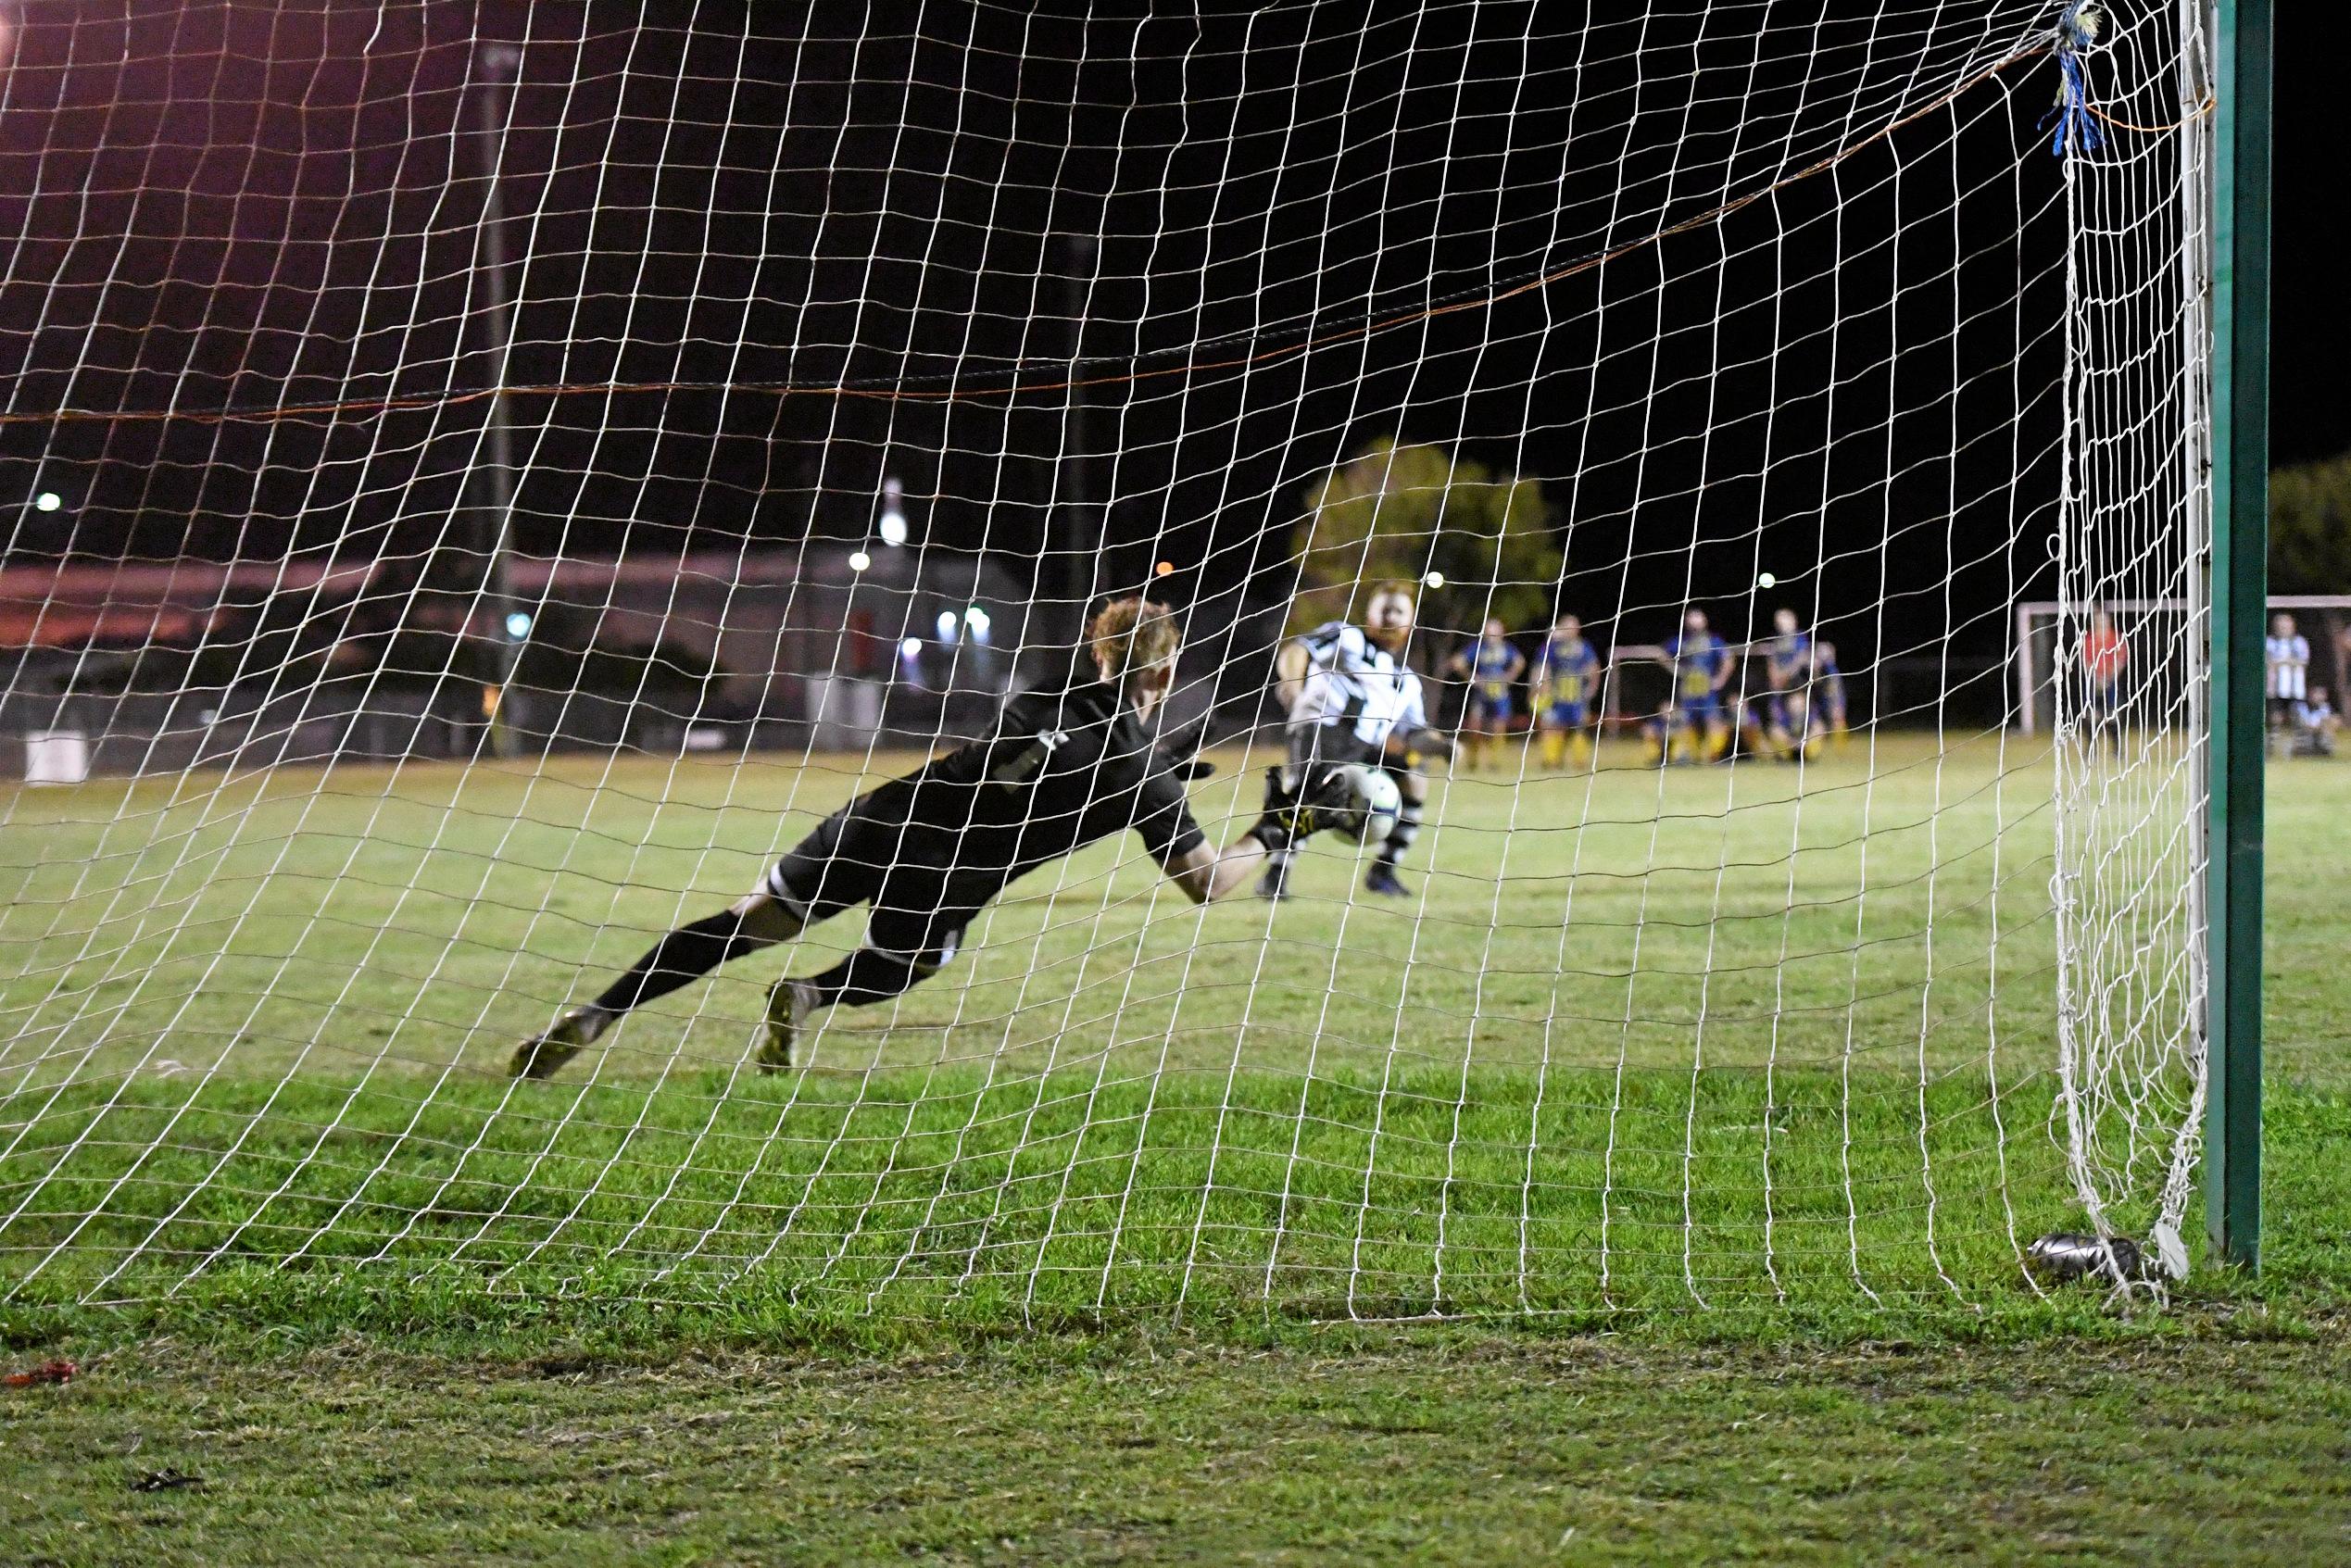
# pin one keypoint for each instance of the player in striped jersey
(1350, 698)
(2288, 655)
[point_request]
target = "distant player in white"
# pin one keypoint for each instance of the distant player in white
(1350, 698)
(2289, 658)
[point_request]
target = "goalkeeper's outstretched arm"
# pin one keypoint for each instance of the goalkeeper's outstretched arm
(1293, 812)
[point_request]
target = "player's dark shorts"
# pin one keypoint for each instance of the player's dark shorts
(859, 855)
(2282, 714)
(1331, 743)
(1490, 710)
(1567, 716)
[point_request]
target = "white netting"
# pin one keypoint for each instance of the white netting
(493, 483)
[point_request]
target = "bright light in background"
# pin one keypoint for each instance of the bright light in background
(860, 561)
(979, 621)
(911, 647)
(49, 501)
(1435, 579)
(947, 626)
(1765, 580)
(518, 626)
(893, 512)
(1163, 568)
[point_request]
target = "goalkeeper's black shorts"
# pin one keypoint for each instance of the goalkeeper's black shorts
(862, 854)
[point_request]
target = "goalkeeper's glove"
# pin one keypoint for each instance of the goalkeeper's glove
(1413, 749)
(1296, 811)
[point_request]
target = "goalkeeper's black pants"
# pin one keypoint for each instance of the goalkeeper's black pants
(870, 974)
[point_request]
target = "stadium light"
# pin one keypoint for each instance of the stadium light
(860, 561)
(47, 501)
(893, 512)
(1163, 568)
(978, 621)
(518, 624)
(947, 626)
(1765, 580)
(1435, 579)
(911, 647)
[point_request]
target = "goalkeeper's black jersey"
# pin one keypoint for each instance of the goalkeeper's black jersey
(1062, 769)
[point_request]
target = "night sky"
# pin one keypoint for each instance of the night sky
(833, 245)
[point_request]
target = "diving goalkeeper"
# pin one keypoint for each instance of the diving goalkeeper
(927, 852)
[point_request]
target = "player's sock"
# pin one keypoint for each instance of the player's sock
(1274, 884)
(1717, 742)
(1400, 839)
(1554, 747)
(1579, 749)
(866, 976)
(679, 959)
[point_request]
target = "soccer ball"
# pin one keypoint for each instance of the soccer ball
(1373, 802)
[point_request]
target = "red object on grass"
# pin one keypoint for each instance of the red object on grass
(47, 1372)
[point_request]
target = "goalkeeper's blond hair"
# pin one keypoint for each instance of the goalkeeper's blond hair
(1131, 635)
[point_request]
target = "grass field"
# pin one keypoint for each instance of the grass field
(1738, 1071)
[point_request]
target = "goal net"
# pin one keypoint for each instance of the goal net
(485, 484)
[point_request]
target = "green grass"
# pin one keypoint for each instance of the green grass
(1738, 1038)
(1416, 1447)
(1716, 1187)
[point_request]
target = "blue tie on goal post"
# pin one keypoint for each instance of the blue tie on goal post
(2240, 569)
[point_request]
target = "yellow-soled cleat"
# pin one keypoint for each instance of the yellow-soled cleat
(543, 1054)
(788, 1005)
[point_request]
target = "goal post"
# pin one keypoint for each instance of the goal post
(2240, 584)
(480, 546)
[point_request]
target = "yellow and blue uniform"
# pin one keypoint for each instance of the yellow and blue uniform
(1699, 662)
(1790, 661)
(1828, 703)
(1570, 674)
(1493, 664)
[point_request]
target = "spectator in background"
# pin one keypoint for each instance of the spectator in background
(2319, 722)
(2287, 653)
(2105, 656)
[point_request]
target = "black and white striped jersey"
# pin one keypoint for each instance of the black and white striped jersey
(2288, 659)
(1353, 682)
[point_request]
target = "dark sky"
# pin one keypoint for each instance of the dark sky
(1853, 381)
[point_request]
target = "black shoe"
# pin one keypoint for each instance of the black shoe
(1274, 884)
(1382, 879)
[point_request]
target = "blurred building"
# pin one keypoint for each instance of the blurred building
(169, 665)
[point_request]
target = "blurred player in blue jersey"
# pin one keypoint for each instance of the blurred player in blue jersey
(1787, 673)
(1491, 665)
(1567, 683)
(1826, 700)
(1700, 666)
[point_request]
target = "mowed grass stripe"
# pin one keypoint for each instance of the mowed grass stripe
(912, 1188)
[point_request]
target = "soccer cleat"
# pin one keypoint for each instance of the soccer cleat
(1274, 884)
(788, 1005)
(541, 1055)
(1382, 879)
